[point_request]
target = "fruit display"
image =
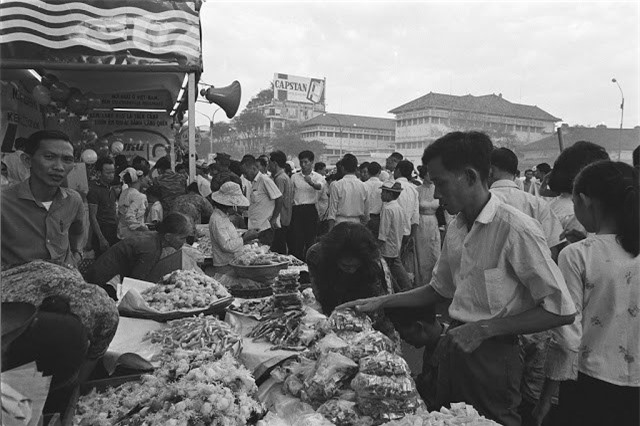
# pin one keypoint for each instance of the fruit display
(184, 289)
(218, 393)
(201, 334)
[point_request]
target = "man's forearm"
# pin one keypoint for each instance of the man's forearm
(277, 209)
(531, 321)
(93, 220)
(421, 296)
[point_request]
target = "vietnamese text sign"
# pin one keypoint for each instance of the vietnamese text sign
(20, 114)
(149, 100)
(293, 88)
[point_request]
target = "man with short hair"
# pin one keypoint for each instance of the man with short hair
(348, 196)
(263, 164)
(393, 222)
(102, 199)
(409, 200)
(497, 270)
(364, 172)
(503, 163)
(277, 161)
(374, 192)
(390, 165)
(542, 174)
(528, 185)
(41, 220)
(265, 201)
(307, 186)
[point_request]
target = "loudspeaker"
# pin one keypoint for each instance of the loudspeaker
(228, 98)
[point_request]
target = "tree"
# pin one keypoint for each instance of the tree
(291, 143)
(249, 126)
(263, 97)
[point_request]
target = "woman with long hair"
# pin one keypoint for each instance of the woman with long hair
(346, 265)
(598, 367)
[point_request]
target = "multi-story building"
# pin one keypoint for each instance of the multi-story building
(615, 141)
(423, 120)
(368, 138)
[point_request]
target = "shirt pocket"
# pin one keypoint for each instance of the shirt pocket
(497, 287)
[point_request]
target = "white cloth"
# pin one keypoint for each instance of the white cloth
(132, 206)
(501, 268)
(392, 225)
(532, 206)
(348, 200)
(427, 238)
(262, 198)
(225, 240)
(374, 195)
(410, 203)
(562, 207)
(323, 202)
(156, 213)
(604, 340)
(204, 186)
(17, 171)
(303, 193)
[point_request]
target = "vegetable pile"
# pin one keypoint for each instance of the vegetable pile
(184, 289)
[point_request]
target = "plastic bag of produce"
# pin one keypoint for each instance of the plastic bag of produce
(341, 413)
(388, 408)
(331, 371)
(369, 343)
(384, 364)
(370, 386)
(347, 320)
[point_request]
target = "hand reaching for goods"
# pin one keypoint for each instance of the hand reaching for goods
(371, 304)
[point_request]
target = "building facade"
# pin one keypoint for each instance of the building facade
(368, 138)
(614, 141)
(425, 119)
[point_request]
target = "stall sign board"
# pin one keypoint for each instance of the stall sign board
(21, 115)
(145, 100)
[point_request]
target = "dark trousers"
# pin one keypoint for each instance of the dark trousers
(266, 237)
(402, 279)
(488, 378)
(374, 224)
(110, 232)
(303, 229)
(592, 402)
(279, 244)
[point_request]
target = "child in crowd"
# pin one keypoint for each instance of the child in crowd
(155, 213)
(598, 357)
(393, 223)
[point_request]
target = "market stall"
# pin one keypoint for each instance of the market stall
(114, 75)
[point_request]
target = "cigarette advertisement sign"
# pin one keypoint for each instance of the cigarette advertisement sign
(298, 89)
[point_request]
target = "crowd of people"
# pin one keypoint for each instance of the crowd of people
(537, 278)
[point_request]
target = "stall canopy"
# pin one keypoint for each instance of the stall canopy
(132, 54)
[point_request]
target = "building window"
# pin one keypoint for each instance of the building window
(330, 134)
(323, 133)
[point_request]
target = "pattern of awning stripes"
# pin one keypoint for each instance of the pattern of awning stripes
(106, 26)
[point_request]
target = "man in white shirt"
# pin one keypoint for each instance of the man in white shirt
(374, 192)
(390, 166)
(348, 196)
(265, 201)
(410, 203)
(497, 271)
(307, 186)
(503, 163)
(277, 161)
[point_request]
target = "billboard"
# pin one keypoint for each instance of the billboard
(293, 88)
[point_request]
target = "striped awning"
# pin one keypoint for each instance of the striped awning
(98, 33)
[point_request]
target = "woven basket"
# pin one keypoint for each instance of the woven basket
(259, 273)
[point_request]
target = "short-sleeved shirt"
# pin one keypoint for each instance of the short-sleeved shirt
(262, 199)
(604, 340)
(105, 198)
(393, 223)
(348, 200)
(31, 232)
(132, 207)
(532, 206)
(225, 240)
(562, 207)
(500, 268)
(409, 200)
(374, 195)
(303, 193)
(284, 184)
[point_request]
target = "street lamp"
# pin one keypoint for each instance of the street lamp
(339, 125)
(613, 80)
(210, 127)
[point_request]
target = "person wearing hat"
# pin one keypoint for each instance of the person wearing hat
(226, 242)
(393, 226)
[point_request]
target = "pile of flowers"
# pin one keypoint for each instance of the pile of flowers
(184, 289)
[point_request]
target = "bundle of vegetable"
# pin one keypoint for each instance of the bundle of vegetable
(204, 334)
(215, 393)
(184, 289)
(283, 330)
(257, 255)
(257, 308)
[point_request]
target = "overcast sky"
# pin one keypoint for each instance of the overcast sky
(376, 56)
